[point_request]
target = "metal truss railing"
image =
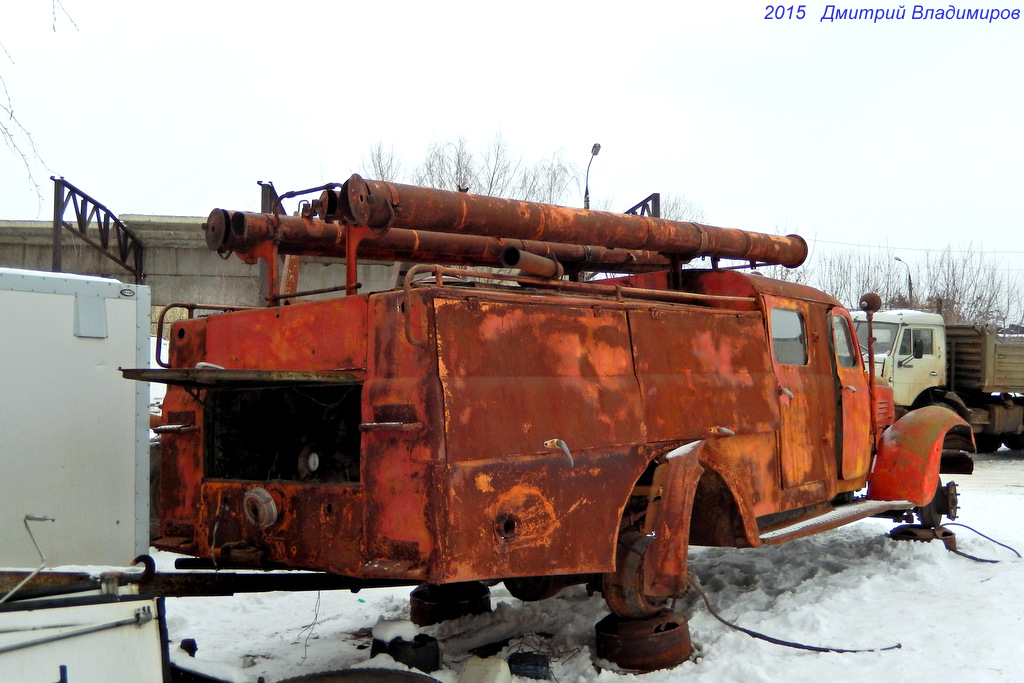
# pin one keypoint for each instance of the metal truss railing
(97, 226)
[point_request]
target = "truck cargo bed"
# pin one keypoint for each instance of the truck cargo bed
(982, 360)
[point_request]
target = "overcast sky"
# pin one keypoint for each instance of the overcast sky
(904, 133)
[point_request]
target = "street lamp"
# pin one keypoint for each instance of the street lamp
(586, 189)
(910, 283)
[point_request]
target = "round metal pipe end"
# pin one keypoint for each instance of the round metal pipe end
(531, 264)
(216, 228)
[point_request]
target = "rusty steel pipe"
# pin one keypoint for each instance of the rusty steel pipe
(243, 232)
(382, 206)
(531, 264)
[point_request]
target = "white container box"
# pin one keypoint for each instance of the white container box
(74, 434)
(81, 637)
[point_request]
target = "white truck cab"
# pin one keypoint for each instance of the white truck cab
(970, 369)
(910, 348)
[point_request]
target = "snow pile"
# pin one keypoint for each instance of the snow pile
(850, 588)
(387, 630)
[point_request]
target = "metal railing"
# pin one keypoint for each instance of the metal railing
(97, 226)
(651, 206)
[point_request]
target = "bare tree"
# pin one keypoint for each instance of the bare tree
(449, 166)
(498, 168)
(383, 164)
(967, 287)
(848, 274)
(547, 181)
(497, 172)
(17, 138)
(681, 208)
(964, 284)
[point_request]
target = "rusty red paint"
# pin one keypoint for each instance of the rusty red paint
(448, 434)
(473, 459)
(907, 464)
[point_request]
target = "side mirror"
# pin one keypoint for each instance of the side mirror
(918, 348)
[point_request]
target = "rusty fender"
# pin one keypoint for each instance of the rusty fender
(907, 463)
(670, 513)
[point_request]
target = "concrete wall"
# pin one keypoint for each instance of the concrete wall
(179, 267)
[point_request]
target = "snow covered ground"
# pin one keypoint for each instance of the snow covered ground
(851, 588)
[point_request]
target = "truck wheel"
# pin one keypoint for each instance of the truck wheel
(432, 604)
(533, 588)
(944, 502)
(1015, 442)
(955, 441)
(623, 588)
(956, 454)
(530, 588)
(988, 443)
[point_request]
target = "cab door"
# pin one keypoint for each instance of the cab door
(800, 358)
(853, 414)
(911, 374)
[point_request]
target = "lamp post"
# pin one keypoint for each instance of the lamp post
(910, 282)
(586, 189)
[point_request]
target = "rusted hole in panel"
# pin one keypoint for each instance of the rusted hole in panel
(507, 526)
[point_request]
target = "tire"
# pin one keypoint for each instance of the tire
(623, 588)
(957, 442)
(532, 588)
(988, 443)
(431, 604)
(1015, 442)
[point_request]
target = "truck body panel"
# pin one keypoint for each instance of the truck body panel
(438, 469)
(481, 426)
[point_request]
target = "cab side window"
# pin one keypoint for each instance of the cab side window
(910, 336)
(789, 338)
(843, 339)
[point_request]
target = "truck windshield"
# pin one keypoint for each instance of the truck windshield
(885, 335)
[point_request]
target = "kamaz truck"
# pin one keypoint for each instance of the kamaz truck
(969, 369)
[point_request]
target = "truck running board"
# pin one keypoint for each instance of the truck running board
(837, 517)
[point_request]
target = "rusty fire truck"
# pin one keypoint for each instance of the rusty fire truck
(539, 428)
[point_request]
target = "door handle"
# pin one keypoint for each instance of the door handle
(783, 391)
(933, 373)
(849, 387)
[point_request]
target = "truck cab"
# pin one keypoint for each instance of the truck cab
(909, 352)
(969, 369)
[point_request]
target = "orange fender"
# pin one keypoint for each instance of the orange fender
(669, 513)
(668, 520)
(907, 463)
